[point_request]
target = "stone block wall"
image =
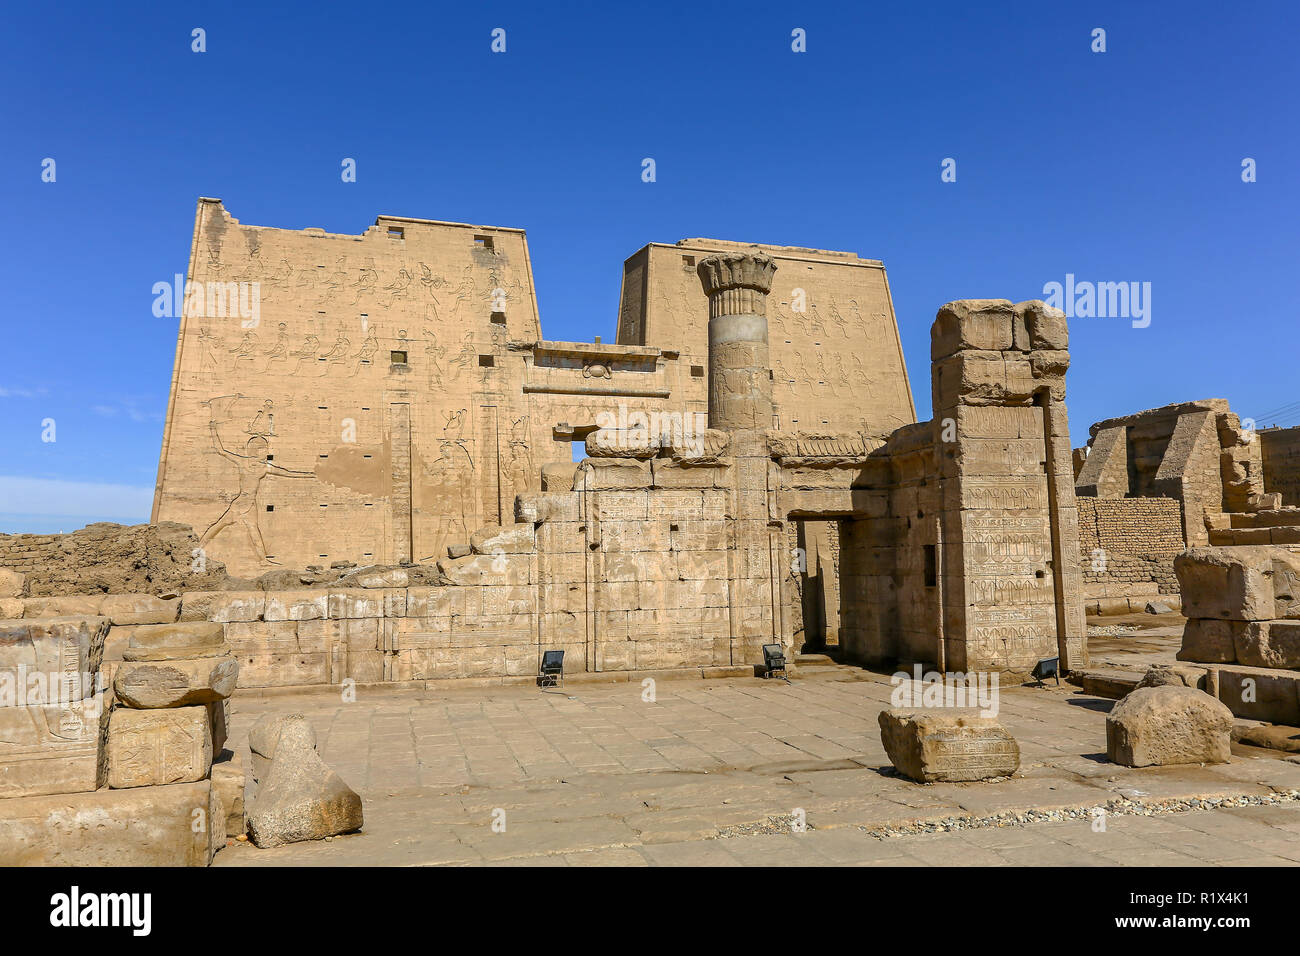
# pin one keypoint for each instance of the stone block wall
(1243, 624)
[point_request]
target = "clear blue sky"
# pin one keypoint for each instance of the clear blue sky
(1115, 166)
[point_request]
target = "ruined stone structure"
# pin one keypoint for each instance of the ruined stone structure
(337, 424)
(393, 392)
(1242, 602)
(463, 540)
(1159, 480)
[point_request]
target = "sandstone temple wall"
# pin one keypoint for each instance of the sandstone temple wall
(1280, 448)
(393, 391)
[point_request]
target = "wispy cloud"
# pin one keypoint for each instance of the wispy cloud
(127, 407)
(7, 391)
(58, 500)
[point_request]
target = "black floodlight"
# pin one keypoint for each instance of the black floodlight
(774, 660)
(552, 670)
(1047, 667)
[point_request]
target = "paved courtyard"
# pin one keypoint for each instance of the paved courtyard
(726, 772)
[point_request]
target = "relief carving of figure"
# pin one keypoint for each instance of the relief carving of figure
(279, 352)
(338, 352)
(207, 350)
(253, 465)
(434, 353)
(247, 345)
(397, 288)
(365, 355)
(366, 281)
(310, 346)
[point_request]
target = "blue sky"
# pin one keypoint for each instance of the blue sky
(1116, 166)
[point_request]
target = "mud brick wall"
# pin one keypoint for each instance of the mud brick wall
(1138, 538)
(105, 558)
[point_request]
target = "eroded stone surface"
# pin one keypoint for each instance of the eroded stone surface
(301, 798)
(176, 683)
(1156, 726)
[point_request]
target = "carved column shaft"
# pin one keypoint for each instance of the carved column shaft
(740, 382)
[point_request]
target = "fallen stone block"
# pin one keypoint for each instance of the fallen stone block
(1269, 736)
(949, 745)
(148, 826)
(124, 609)
(204, 680)
(1158, 607)
(158, 747)
(1158, 726)
(262, 738)
(302, 798)
(622, 443)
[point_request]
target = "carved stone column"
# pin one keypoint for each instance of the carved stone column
(740, 379)
(740, 403)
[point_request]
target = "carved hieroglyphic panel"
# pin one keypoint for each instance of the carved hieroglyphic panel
(155, 747)
(964, 757)
(277, 446)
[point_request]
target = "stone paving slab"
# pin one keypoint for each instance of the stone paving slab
(712, 773)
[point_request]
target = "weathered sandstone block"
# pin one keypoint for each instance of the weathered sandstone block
(1175, 675)
(1268, 644)
(301, 798)
(124, 609)
(984, 324)
(149, 826)
(1261, 694)
(50, 748)
(158, 747)
(621, 443)
(1157, 726)
(599, 474)
(161, 642)
(1243, 583)
(948, 745)
(228, 781)
(1047, 327)
(1209, 641)
(480, 569)
(262, 738)
(50, 646)
(204, 680)
(558, 476)
(504, 539)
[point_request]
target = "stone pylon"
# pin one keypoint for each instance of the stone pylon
(740, 403)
